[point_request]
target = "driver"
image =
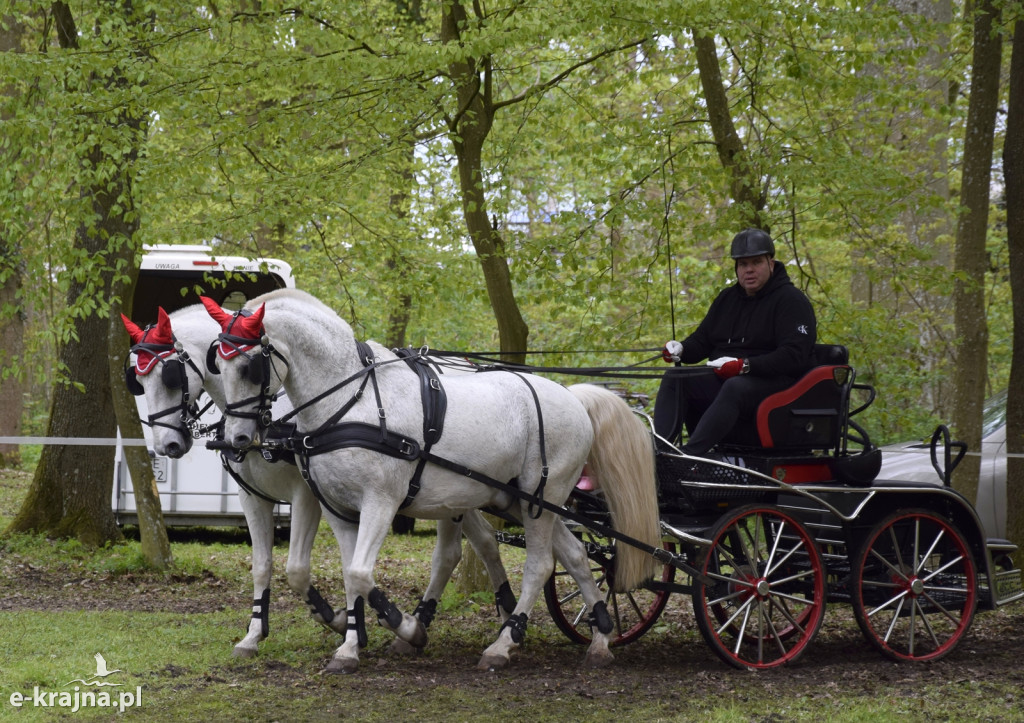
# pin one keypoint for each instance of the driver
(758, 335)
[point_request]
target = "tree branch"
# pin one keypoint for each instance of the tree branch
(555, 80)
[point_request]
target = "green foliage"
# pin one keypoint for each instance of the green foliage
(322, 134)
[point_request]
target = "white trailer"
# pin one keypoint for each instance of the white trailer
(196, 489)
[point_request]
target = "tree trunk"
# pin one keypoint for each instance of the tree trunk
(731, 151)
(1013, 169)
(971, 258)
(71, 490)
(468, 130)
(156, 546)
(12, 325)
(400, 309)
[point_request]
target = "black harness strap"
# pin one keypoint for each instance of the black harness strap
(334, 434)
(435, 404)
(356, 434)
(245, 485)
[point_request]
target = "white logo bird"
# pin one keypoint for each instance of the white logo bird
(101, 672)
(101, 668)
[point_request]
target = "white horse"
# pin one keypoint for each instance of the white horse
(363, 439)
(170, 346)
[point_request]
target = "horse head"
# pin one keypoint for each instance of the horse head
(168, 392)
(252, 371)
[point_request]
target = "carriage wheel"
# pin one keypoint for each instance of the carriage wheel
(766, 600)
(633, 613)
(916, 589)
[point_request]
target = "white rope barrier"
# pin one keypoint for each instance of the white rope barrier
(1015, 455)
(75, 441)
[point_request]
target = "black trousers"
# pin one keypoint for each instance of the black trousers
(708, 407)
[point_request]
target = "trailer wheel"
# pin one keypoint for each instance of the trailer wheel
(633, 613)
(915, 588)
(767, 597)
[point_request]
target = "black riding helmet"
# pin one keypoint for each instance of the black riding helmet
(752, 242)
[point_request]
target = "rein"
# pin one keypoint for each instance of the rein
(488, 360)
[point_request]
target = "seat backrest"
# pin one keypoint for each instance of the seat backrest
(810, 414)
(826, 354)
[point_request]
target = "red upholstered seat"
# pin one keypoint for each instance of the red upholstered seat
(808, 415)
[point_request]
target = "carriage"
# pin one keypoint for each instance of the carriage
(787, 516)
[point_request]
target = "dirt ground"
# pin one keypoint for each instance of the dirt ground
(660, 666)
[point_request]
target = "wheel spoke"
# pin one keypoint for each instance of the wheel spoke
(928, 626)
(896, 569)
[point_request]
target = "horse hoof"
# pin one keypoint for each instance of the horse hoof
(598, 660)
(401, 647)
(419, 637)
(240, 652)
(343, 666)
(491, 663)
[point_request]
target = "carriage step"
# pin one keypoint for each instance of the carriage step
(1008, 587)
(1006, 577)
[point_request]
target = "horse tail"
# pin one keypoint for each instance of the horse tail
(621, 461)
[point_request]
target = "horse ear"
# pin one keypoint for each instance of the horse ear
(134, 332)
(252, 326)
(213, 309)
(163, 333)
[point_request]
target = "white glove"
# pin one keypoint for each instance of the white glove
(672, 352)
(720, 361)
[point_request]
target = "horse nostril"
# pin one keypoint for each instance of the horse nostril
(241, 441)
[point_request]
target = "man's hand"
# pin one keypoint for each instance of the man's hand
(730, 369)
(672, 351)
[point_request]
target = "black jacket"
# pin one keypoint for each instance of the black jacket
(775, 328)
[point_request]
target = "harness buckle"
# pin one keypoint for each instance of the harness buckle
(381, 414)
(306, 442)
(435, 384)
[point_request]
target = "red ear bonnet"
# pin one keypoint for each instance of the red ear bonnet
(145, 342)
(245, 332)
(134, 332)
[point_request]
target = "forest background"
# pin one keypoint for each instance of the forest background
(563, 176)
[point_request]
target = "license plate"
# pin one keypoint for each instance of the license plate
(160, 469)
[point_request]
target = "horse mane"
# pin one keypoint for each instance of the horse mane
(308, 305)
